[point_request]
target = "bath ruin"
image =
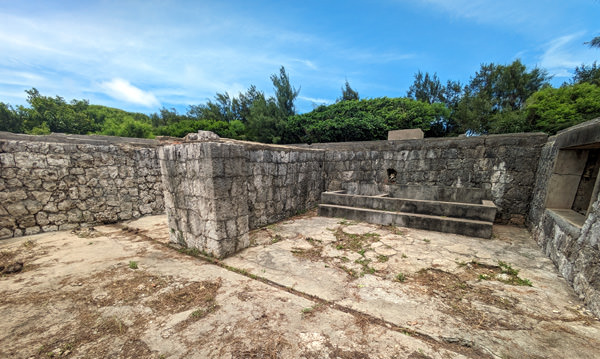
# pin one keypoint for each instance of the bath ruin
(215, 191)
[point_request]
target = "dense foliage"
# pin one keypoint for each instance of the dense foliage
(361, 120)
(553, 109)
(497, 99)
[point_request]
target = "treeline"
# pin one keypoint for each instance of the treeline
(510, 98)
(497, 99)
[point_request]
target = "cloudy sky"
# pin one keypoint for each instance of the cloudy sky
(143, 55)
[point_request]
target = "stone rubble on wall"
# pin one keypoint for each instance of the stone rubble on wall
(49, 186)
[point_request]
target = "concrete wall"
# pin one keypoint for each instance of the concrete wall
(568, 238)
(503, 165)
(57, 182)
(216, 192)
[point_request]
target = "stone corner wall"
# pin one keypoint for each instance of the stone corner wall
(216, 192)
(58, 182)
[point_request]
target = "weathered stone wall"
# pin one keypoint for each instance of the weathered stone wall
(574, 248)
(503, 165)
(282, 183)
(56, 182)
(215, 192)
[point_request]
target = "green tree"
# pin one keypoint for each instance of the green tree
(10, 120)
(127, 127)
(362, 120)
(58, 115)
(226, 108)
(427, 89)
(265, 120)
(553, 109)
(285, 94)
(241, 105)
(166, 117)
(348, 93)
(589, 74)
(595, 42)
(495, 96)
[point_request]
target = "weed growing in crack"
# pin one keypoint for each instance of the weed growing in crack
(313, 241)
(400, 277)
(346, 223)
(382, 258)
(508, 269)
(354, 242)
(203, 312)
(312, 254)
(513, 274)
(365, 266)
(351, 272)
(276, 239)
(133, 265)
(393, 229)
(29, 244)
(310, 311)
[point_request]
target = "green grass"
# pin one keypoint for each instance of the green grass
(508, 269)
(203, 312)
(400, 277)
(133, 265)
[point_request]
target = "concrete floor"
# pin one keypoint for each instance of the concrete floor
(309, 287)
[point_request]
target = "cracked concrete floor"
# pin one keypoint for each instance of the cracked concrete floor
(309, 287)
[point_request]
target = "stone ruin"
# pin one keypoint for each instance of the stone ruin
(214, 191)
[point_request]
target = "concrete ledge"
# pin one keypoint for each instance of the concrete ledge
(420, 221)
(479, 212)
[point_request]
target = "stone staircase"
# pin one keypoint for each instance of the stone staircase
(436, 214)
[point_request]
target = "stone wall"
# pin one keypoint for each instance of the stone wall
(56, 182)
(216, 192)
(570, 239)
(503, 165)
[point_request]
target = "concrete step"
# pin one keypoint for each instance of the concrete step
(486, 211)
(467, 227)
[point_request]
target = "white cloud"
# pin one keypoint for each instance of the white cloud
(122, 90)
(564, 53)
(311, 65)
(496, 12)
(315, 100)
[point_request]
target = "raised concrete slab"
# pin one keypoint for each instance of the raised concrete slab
(484, 211)
(467, 227)
(410, 134)
(308, 287)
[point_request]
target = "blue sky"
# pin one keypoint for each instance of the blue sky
(143, 55)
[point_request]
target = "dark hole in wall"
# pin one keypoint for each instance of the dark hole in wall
(391, 175)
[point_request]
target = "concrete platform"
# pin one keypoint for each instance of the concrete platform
(468, 227)
(309, 287)
(443, 209)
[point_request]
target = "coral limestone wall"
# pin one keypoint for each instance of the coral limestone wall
(215, 192)
(48, 183)
(569, 238)
(503, 165)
